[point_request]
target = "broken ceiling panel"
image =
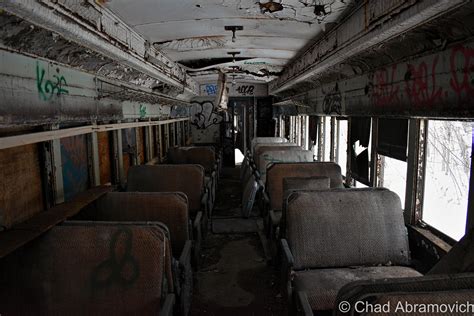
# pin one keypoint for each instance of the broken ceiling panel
(189, 31)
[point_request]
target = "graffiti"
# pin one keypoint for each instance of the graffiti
(74, 165)
(48, 88)
(333, 101)
(384, 91)
(246, 90)
(210, 89)
(204, 114)
(142, 111)
(462, 81)
(121, 267)
(421, 87)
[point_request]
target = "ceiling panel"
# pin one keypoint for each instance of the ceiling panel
(194, 29)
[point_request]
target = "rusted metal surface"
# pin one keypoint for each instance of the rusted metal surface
(51, 93)
(25, 232)
(358, 33)
(21, 195)
(105, 157)
(75, 165)
(436, 85)
(194, 30)
(96, 28)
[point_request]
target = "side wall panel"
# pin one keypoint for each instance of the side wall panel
(74, 165)
(20, 184)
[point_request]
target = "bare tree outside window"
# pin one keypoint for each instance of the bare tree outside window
(447, 176)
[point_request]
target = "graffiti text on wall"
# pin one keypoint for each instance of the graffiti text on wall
(245, 90)
(204, 114)
(47, 88)
(333, 101)
(426, 82)
(142, 111)
(211, 89)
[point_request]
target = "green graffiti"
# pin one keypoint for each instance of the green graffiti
(142, 111)
(48, 88)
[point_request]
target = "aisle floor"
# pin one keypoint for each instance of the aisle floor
(234, 277)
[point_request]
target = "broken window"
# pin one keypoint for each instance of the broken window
(360, 148)
(392, 138)
(342, 145)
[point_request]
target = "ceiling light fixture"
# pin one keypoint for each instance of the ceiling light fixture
(233, 54)
(233, 28)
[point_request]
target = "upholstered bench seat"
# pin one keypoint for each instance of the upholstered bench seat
(322, 285)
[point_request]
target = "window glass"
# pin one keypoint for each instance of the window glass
(360, 185)
(327, 138)
(394, 176)
(361, 140)
(448, 163)
(342, 149)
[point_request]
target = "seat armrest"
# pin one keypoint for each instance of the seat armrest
(197, 236)
(204, 202)
(168, 306)
(302, 304)
(287, 262)
(288, 259)
(273, 225)
(185, 257)
(266, 198)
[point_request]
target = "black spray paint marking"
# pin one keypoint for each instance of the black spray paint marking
(121, 267)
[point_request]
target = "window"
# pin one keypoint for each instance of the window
(360, 148)
(342, 145)
(448, 163)
(327, 138)
(392, 154)
(394, 176)
(360, 185)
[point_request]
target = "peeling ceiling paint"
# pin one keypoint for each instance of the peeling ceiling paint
(193, 30)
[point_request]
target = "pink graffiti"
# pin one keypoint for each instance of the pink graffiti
(385, 92)
(461, 78)
(421, 88)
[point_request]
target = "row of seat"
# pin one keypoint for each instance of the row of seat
(337, 244)
(129, 252)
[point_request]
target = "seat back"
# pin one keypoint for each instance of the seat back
(346, 227)
(278, 171)
(291, 185)
(188, 179)
(168, 208)
(268, 158)
(200, 155)
(436, 292)
(265, 148)
(89, 268)
(268, 140)
(176, 156)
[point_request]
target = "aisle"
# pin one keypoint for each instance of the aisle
(234, 278)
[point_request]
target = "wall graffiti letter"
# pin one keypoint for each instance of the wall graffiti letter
(46, 87)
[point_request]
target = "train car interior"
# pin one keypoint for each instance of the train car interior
(236, 157)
